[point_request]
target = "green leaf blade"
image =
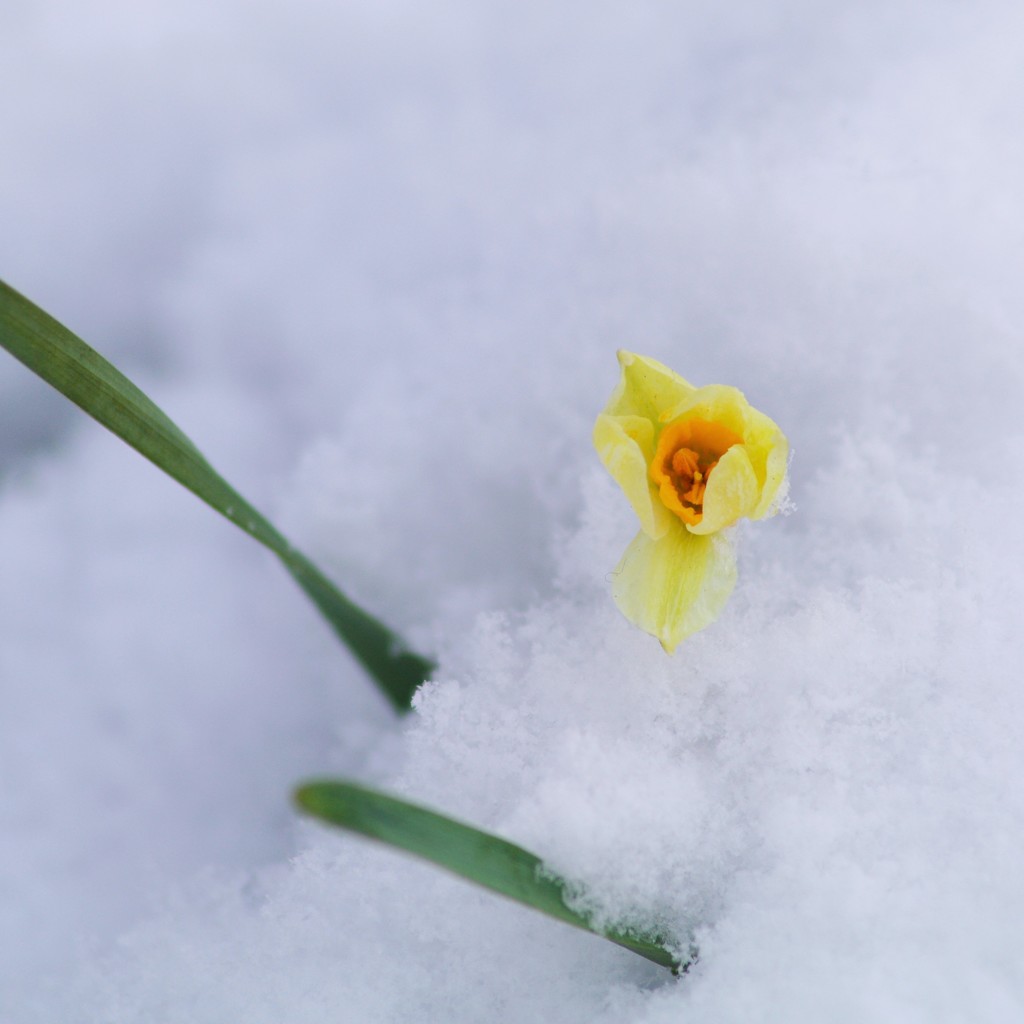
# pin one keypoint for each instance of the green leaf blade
(476, 856)
(96, 386)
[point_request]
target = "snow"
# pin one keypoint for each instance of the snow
(376, 261)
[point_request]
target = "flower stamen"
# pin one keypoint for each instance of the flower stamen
(688, 450)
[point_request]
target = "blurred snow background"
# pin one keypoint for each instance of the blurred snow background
(376, 259)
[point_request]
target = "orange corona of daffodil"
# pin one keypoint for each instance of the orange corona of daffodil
(691, 461)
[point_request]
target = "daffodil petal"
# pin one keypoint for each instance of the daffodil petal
(715, 403)
(732, 492)
(676, 585)
(625, 445)
(775, 485)
(646, 388)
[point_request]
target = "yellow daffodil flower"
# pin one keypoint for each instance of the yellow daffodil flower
(691, 461)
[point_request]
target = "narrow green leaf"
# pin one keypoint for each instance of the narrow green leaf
(65, 361)
(476, 856)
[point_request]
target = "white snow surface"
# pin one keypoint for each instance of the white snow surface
(376, 258)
